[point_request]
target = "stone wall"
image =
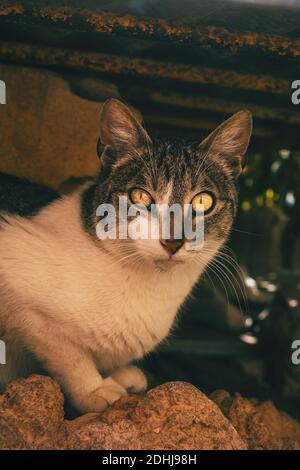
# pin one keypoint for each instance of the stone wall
(47, 133)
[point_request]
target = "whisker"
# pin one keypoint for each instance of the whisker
(245, 232)
(232, 281)
(234, 284)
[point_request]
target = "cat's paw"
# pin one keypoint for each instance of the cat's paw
(104, 396)
(131, 378)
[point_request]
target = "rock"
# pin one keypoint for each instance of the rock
(175, 415)
(31, 413)
(260, 425)
(49, 133)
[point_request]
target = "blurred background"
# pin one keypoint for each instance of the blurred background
(184, 67)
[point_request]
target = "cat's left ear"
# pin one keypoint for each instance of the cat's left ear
(120, 130)
(230, 140)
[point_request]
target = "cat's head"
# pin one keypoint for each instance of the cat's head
(170, 172)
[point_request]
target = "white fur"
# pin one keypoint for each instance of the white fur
(78, 308)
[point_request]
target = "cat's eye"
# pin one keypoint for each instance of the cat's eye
(205, 199)
(139, 196)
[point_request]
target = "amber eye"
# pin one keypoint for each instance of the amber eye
(139, 196)
(206, 199)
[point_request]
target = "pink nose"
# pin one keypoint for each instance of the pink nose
(171, 246)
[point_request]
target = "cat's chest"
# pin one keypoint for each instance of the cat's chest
(131, 315)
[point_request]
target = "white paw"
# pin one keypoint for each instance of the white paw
(104, 396)
(131, 378)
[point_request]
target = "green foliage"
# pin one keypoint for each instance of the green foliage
(273, 181)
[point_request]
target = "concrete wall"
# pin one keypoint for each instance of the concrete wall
(47, 133)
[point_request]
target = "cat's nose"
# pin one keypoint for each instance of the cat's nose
(172, 245)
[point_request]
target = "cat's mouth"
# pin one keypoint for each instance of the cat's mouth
(165, 264)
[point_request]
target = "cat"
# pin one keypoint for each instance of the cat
(85, 308)
(21, 197)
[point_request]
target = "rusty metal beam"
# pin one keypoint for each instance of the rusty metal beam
(266, 113)
(104, 22)
(183, 123)
(126, 66)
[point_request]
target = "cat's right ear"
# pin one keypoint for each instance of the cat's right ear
(120, 132)
(229, 142)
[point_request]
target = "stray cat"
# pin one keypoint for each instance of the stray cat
(86, 308)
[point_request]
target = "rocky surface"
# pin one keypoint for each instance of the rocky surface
(260, 425)
(174, 415)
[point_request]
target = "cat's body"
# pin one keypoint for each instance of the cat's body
(60, 281)
(62, 270)
(21, 197)
(82, 306)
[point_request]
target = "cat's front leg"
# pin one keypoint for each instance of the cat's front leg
(131, 378)
(75, 370)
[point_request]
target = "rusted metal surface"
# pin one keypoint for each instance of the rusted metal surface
(224, 106)
(150, 28)
(197, 124)
(185, 65)
(118, 65)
